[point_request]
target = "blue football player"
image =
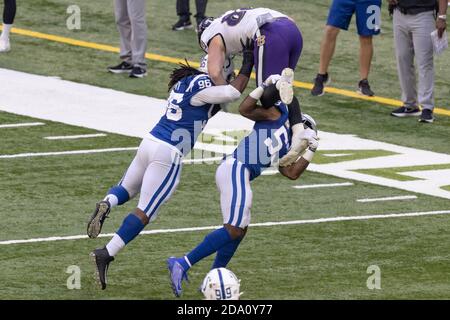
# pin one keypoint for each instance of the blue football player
(156, 168)
(267, 143)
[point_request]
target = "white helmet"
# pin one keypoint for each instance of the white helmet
(221, 284)
(228, 68)
(309, 122)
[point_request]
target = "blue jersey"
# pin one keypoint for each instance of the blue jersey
(182, 123)
(269, 141)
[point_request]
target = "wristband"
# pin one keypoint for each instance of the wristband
(442, 17)
(308, 155)
(257, 93)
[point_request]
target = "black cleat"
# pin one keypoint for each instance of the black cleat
(123, 67)
(364, 88)
(403, 112)
(426, 116)
(95, 223)
(102, 259)
(138, 72)
(320, 82)
(182, 24)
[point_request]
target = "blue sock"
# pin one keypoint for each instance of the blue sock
(121, 193)
(212, 242)
(225, 253)
(130, 228)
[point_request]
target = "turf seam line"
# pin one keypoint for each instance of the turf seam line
(263, 224)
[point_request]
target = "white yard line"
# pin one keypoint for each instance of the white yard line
(23, 124)
(79, 136)
(387, 199)
(335, 155)
(263, 224)
(61, 153)
(325, 185)
(213, 160)
(48, 98)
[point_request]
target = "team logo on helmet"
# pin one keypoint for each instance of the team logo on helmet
(221, 284)
(202, 27)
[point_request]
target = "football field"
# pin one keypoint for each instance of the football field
(377, 192)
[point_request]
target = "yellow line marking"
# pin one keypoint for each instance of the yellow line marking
(161, 58)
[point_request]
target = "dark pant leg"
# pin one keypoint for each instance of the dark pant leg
(183, 9)
(9, 11)
(277, 47)
(201, 10)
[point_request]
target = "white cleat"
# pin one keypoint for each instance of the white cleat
(284, 85)
(4, 45)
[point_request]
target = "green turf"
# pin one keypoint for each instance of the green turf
(396, 173)
(333, 113)
(53, 196)
(347, 155)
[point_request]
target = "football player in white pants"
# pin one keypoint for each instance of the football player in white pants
(270, 140)
(156, 169)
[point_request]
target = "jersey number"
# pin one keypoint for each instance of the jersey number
(234, 17)
(174, 111)
(274, 149)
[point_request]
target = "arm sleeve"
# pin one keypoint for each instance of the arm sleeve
(216, 95)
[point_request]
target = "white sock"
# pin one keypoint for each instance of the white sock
(115, 245)
(6, 30)
(112, 199)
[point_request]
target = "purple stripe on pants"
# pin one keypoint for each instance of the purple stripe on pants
(280, 46)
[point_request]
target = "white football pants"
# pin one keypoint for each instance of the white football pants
(233, 182)
(155, 173)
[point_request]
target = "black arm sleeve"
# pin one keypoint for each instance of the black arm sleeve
(295, 113)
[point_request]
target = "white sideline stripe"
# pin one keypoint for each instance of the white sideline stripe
(59, 153)
(325, 185)
(388, 198)
(262, 224)
(23, 124)
(80, 136)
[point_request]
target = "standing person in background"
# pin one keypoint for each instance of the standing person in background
(368, 20)
(9, 12)
(132, 26)
(184, 21)
(414, 21)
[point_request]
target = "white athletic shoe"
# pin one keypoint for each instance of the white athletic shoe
(4, 45)
(284, 85)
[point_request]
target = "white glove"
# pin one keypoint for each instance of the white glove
(271, 80)
(301, 139)
(313, 143)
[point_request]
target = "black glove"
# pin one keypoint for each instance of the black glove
(247, 57)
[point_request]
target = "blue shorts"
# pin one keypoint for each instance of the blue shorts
(368, 15)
